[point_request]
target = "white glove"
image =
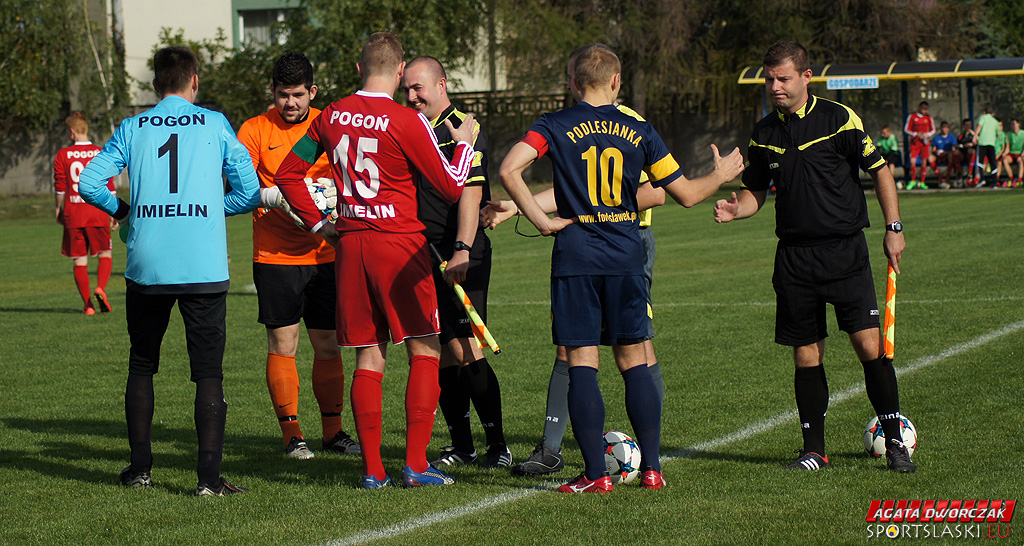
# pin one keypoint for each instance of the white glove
(272, 198)
(325, 196)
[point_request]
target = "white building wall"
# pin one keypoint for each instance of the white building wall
(143, 20)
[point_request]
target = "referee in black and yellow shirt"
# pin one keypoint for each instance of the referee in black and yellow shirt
(812, 148)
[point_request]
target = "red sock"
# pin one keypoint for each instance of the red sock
(82, 281)
(103, 272)
(329, 388)
(283, 384)
(421, 396)
(366, 401)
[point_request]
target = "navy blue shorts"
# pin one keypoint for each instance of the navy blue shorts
(599, 310)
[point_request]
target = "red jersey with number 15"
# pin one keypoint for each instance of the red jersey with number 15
(374, 146)
(67, 166)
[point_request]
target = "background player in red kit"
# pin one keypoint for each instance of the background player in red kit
(383, 266)
(920, 127)
(86, 228)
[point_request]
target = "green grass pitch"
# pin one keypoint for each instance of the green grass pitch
(63, 432)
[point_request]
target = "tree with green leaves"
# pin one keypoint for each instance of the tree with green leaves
(49, 50)
(690, 51)
(236, 81)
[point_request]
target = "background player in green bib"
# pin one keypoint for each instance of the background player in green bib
(986, 136)
(1015, 147)
(598, 293)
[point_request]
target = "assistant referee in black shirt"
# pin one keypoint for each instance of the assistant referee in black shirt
(812, 148)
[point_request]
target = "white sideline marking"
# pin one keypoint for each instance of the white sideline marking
(842, 396)
(430, 519)
(742, 434)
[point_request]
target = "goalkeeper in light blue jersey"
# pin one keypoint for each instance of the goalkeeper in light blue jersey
(177, 251)
(175, 154)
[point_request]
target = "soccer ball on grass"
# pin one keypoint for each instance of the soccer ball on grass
(874, 437)
(622, 456)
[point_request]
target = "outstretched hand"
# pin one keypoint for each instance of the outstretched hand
(496, 212)
(726, 209)
(730, 166)
(466, 132)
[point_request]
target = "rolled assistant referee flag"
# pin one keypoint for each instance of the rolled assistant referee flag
(889, 321)
(480, 332)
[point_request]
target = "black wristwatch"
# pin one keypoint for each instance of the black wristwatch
(459, 245)
(895, 227)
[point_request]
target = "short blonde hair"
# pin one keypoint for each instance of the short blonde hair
(77, 123)
(595, 66)
(382, 54)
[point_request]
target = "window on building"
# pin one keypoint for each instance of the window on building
(261, 26)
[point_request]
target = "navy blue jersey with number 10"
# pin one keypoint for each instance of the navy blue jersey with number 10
(598, 154)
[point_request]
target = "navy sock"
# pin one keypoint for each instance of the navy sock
(644, 410)
(880, 384)
(556, 416)
(659, 382)
(586, 411)
(454, 402)
(812, 402)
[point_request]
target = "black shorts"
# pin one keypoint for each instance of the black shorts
(203, 314)
(987, 153)
(455, 323)
(592, 310)
(647, 238)
(808, 277)
(289, 293)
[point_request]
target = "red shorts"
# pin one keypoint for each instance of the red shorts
(919, 149)
(384, 285)
(85, 241)
(1014, 157)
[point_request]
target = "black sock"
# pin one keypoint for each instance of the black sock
(644, 411)
(659, 382)
(479, 380)
(454, 402)
(211, 414)
(556, 416)
(880, 384)
(586, 411)
(138, 410)
(812, 403)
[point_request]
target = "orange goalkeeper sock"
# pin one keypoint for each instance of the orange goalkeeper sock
(283, 384)
(329, 388)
